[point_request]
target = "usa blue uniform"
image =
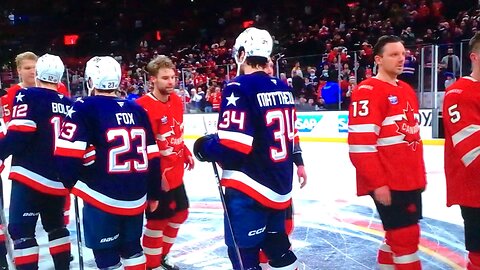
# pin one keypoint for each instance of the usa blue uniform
(255, 141)
(37, 115)
(125, 155)
(107, 144)
(256, 132)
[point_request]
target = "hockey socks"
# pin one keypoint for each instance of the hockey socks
(136, 262)
(404, 245)
(171, 231)
(153, 241)
(25, 254)
(59, 245)
(385, 257)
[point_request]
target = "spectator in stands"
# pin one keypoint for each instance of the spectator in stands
(450, 63)
(449, 79)
(409, 68)
(331, 95)
(297, 70)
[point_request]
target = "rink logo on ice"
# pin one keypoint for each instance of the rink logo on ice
(256, 232)
(342, 123)
(109, 239)
(306, 123)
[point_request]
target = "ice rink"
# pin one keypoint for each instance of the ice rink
(334, 229)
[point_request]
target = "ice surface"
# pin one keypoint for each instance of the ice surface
(334, 229)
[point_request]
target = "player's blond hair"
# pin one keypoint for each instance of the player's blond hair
(474, 44)
(158, 63)
(25, 56)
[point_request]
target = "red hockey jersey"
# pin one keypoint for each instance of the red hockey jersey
(384, 137)
(461, 118)
(7, 102)
(167, 124)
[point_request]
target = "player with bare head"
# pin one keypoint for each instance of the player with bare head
(387, 152)
(462, 159)
(165, 111)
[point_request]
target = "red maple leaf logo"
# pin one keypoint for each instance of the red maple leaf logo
(409, 127)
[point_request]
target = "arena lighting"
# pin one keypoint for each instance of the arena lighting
(70, 40)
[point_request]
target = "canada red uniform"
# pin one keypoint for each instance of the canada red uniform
(167, 124)
(461, 112)
(7, 102)
(384, 137)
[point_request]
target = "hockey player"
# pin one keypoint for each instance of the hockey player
(387, 152)
(462, 162)
(37, 114)
(25, 63)
(301, 174)
(122, 172)
(165, 111)
(254, 145)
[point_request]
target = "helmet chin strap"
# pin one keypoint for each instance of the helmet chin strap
(239, 62)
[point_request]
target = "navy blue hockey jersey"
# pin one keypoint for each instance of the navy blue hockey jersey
(37, 116)
(256, 121)
(125, 163)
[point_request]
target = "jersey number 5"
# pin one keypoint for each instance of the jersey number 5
(454, 113)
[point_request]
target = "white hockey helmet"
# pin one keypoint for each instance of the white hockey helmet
(103, 73)
(49, 68)
(255, 42)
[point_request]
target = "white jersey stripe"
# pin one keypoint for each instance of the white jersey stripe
(236, 136)
(102, 198)
(391, 119)
(364, 128)
(470, 157)
(391, 140)
(22, 122)
(76, 145)
(362, 148)
(464, 133)
(37, 178)
(265, 191)
(152, 149)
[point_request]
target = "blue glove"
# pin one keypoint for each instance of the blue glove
(202, 144)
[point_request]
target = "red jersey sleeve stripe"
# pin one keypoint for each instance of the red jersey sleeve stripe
(68, 152)
(362, 149)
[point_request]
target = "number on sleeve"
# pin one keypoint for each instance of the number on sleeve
(231, 117)
(20, 110)
(360, 108)
(454, 113)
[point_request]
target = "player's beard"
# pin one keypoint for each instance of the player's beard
(165, 91)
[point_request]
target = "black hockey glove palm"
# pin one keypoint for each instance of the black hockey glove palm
(201, 145)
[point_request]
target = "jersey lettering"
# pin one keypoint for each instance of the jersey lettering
(285, 132)
(127, 138)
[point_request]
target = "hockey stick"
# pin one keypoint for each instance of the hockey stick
(224, 204)
(3, 221)
(79, 233)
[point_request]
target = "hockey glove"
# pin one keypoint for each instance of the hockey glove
(201, 145)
